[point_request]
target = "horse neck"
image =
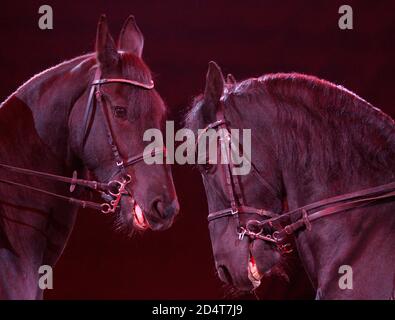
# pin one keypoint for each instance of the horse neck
(36, 115)
(320, 158)
(323, 160)
(34, 135)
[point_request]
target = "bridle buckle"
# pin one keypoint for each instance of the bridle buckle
(234, 211)
(242, 233)
(120, 163)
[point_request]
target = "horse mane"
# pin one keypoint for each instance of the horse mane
(347, 134)
(134, 69)
(47, 74)
(320, 125)
(313, 91)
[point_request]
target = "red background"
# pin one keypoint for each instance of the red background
(246, 38)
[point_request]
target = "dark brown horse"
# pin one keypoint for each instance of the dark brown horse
(311, 140)
(43, 128)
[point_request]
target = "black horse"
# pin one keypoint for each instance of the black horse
(311, 141)
(86, 115)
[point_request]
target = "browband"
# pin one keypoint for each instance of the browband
(132, 82)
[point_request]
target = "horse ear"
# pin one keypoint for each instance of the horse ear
(230, 79)
(131, 39)
(106, 52)
(214, 84)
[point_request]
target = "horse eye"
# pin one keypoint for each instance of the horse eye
(120, 112)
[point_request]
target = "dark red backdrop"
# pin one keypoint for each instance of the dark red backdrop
(247, 38)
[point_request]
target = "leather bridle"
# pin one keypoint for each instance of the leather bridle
(115, 188)
(302, 216)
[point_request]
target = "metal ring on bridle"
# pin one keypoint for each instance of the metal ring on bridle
(276, 236)
(127, 179)
(117, 185)
(106, 208)
(256, 222)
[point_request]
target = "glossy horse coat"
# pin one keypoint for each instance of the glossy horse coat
(41, 128)
(311, 140)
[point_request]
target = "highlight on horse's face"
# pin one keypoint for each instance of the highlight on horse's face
(239, 262)
(150, 200)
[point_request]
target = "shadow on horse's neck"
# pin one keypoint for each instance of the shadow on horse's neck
(34, 119)
(34, 135)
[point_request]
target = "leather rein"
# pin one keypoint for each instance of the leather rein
(303, 216)
(115, 188)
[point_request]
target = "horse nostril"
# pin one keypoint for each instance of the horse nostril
(224, 274)
(158, 207)
(163, 211)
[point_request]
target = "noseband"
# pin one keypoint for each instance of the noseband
(302, 216)
(112, 190)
